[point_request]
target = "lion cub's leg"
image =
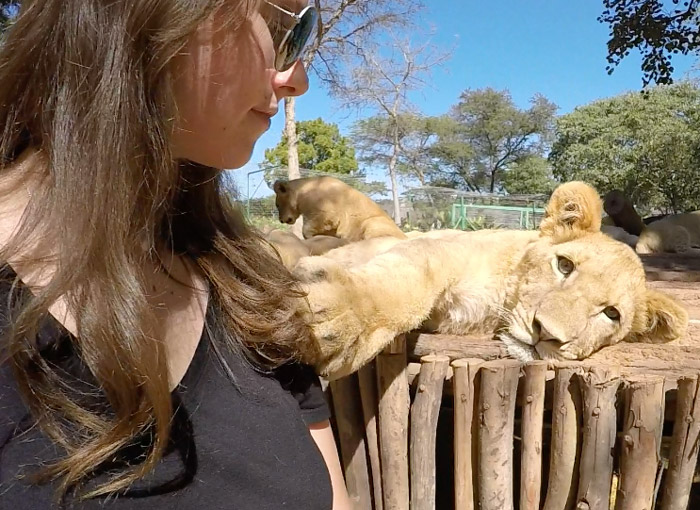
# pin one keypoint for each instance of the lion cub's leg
(355, 312)
(318, 225)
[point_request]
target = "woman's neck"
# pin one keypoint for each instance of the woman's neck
(20, 183)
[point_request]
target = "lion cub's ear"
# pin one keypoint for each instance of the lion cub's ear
(280, 186)
(665, 320)
(574, 208)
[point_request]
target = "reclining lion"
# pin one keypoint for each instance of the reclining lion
(676, 233)
(560, 293)
(331, 207)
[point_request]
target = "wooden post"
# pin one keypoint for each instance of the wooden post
(564, 450)
(367, 377)
(599, 384)
(621, 210)
(351, 433)
(499, 388)
(641, 442)
(464, 387)
(684, 446)
(535, 374)
(394, 402)
(424, 419)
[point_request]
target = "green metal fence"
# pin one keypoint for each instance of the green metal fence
(466, 216)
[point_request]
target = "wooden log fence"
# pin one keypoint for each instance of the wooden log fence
(641, 442)
(393, 418)
(424, 420)
(465, 391)
(557, 436)
(499, 388)
(534, 379)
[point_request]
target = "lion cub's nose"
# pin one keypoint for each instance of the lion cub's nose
(541, 333)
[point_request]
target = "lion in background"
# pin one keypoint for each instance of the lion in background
(562, 292)
(675, 233)
(331, 207)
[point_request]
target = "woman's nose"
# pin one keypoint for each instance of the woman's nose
(292, 82)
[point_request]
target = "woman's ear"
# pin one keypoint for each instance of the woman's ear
(665, 320)
(574, 209)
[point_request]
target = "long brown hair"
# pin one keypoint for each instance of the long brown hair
(86, 83)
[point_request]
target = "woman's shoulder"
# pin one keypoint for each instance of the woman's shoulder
(305, 386)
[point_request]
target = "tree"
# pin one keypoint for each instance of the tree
(321, 147)
(381, 84)
(343, 26)
(417, 134)
(645, 144)
(529, 175)
(374, 140)
(322, 150)
(655, 30)
(452, 156)
(488, 133)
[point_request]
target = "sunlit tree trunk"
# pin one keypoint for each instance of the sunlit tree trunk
(392, 174)
(290, 132)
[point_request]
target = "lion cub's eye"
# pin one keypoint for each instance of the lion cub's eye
(565, 266)
(612, 313)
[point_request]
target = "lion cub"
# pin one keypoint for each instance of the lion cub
(561, 293)
(331, 207)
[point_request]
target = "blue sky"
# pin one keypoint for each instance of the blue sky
(553, 47)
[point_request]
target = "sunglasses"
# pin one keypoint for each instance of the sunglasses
(296, 38)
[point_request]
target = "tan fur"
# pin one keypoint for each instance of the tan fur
(676, 233)
(331, 207)
(290, 248)
(507, 282)
(318, 245)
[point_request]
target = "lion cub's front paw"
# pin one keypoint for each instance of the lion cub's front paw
(345, 314)
(334, 301)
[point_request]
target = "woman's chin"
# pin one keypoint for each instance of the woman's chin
(229, 160)
(239, 158)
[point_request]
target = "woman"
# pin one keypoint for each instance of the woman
(148, 337)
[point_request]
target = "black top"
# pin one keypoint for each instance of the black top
(234, 445)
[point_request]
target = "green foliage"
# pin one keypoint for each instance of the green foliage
(645, 144)
(321, 148)
(529, 175)
(417, 134)
(480, 223)
(322, 151)
(473, 148)
(654, 30)
(427, 212)
(451, 156)
(267, 223)
(262, 213)
(486, 133)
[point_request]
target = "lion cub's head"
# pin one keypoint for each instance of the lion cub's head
(578, 290)
(286, 201)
